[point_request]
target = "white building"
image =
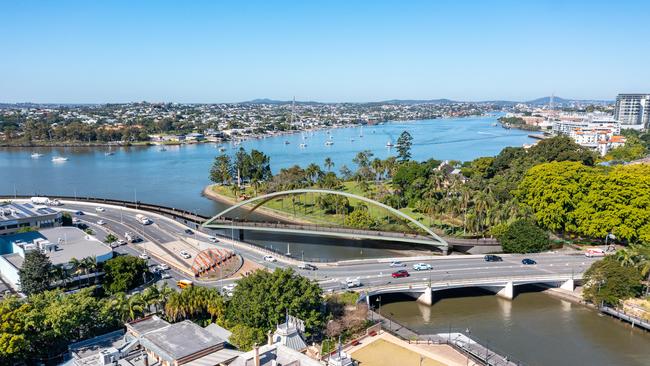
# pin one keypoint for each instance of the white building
(633, 110)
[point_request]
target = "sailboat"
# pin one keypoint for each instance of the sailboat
(361, 133)
(36, 155)
(303, 145)
(329, 142)
(59, 159)
(389, 144)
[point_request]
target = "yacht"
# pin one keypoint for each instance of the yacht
(351, 139)
(389, 144)
(36, 155)
(109, 153)
(286, 142)
(59, 159)
(303, 145)
(222, 148)
(329, 143)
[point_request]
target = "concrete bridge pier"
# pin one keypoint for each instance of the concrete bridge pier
(507, 292)
(427, 297)
(568, 285)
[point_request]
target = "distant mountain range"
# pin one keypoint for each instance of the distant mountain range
(558, 101)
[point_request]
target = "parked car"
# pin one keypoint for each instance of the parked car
(189, 232)
(422, 267)
(397, 264)
(121, 242)
(492, 258)
(75, 221)
(270, 258)
(99, 209)
(212, 239)
(143, 256)
(79, 213)
(165, 276)
(400, 273)
(163, 266)
(185, 254)
(101, 222)
(528, 261)
(307, 266)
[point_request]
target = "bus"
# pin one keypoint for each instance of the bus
(184, 283)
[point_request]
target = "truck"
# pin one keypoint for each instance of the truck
(144, 220)
(131, 238)
(352, 282)
(40, 200)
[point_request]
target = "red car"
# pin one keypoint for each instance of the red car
(400, 273)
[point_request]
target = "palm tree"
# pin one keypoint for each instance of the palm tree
(151, 297)
(137, 306)
(77, 267)
(329, 163)
(119, 304)
(58, 273)
(90, 266)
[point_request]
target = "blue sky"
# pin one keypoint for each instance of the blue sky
(219, 51)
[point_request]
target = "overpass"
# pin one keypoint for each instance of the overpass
(504, 287)
(427, 238)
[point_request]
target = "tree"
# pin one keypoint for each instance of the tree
(110, 238)
(200, 304)
(245, 337)
(404, 143)
(523, 236)
(262, 299)
(123, 273)
(360, 219)
(221, 171)
(329, 163)
(35, 273)
(13, 340)
(608, 282)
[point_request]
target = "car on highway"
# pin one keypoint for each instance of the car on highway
(528, 261)
(75, 221)
(422, 267)
(101, 222)
(212, 239)
(492, 258)
(185, 254)
(120, 242)
(79, 213)
(99, 209)
(307, 266)
(270, 258)
(352, 282)
(143, 256)
(189, 232)
(163, 266)
(400, 273)
(165, 276)
(396, 264)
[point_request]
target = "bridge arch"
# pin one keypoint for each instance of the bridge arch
(266, 197)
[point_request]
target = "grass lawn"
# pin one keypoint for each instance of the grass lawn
(381, 352)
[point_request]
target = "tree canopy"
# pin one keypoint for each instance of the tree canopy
(523, 236)
(608, 281)
(35, 273)
(123, 273)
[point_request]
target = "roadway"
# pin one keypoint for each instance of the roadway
(375, 272)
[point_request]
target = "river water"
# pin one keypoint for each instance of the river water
(534, 328)
(177, 176)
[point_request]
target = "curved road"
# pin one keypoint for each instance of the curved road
(372, 272)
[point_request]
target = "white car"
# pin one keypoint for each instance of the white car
(163, 266)
(185, 254)
(75, 221)
(397, 264)
(270, 258)
(143, 256)
(101, 222)
(99, 209)
(229, 287)
(165, 276)
(212, 239)
(422, 267)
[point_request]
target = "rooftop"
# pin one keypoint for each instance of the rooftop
(181, 339)
(14, 211)
(70, 241)
(282, 355)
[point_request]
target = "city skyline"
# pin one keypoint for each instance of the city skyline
(212, 53)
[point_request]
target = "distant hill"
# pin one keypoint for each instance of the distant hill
(417, 101)
(279, 102)
(563, 101)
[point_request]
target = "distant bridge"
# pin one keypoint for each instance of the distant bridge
(428, 237)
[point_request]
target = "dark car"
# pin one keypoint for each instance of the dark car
(492, 258)
(189, 232)
(79, 213)
(528, 261)
(308, 267)
(400, 273)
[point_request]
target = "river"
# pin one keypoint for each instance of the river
(177, 176)
(534, 328)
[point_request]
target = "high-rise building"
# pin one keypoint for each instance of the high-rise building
(633, 109)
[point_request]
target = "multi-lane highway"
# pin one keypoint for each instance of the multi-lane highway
(331, 276)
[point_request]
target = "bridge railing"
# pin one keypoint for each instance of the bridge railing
(318, 227)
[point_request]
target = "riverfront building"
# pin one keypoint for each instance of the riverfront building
(633, 110)
(15, 216)
(60, 244)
